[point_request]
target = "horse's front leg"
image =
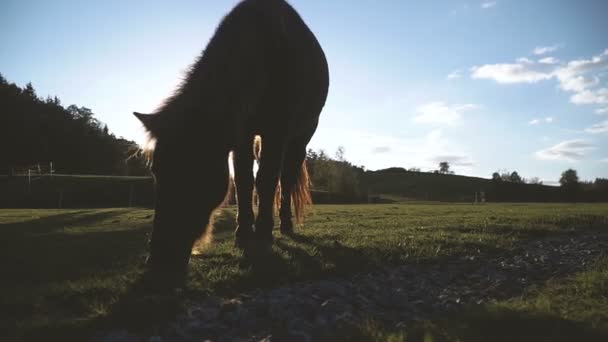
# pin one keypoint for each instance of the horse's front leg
(242, 159)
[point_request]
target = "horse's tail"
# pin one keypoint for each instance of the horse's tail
(300, 194)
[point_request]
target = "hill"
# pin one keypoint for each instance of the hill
(456, 188)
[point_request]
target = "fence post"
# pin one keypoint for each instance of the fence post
(131, 193)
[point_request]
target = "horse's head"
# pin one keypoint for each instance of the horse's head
(191, 180)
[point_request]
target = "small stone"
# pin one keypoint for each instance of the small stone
(298, 336)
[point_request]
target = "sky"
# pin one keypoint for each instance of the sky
(484, 85)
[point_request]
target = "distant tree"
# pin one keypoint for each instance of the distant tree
(570, 184)
(311, 154)
(569, 178)
(322, 155)
(535, 180)
(73, 110)
(414, 169)
(496, 177)
(29, 91)
(601, 183)
(340, 154)
(444, 167)
(515, 177)
(338, 177)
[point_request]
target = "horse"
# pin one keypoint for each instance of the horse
(263, 77)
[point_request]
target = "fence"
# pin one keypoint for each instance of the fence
(69, 191)
(84, 191)
(34, 171)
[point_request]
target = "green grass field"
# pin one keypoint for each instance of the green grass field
(63, 271)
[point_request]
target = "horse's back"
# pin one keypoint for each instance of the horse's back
(281, 61)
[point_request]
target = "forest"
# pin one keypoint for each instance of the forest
(35, 130)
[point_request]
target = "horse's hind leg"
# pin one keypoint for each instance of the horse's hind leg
(242, 159)
(271, 161)
(292, 167)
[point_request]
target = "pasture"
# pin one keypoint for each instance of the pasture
(463, 272)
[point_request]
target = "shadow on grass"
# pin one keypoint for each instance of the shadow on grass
(480, 325)
(55, 223)
(53, 281)
(329, 253)
(39, 251)
(500, 324)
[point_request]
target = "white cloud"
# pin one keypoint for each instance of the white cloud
(584, 65)
(599, 96)
(602, 110)
(548, 60)
(454, 75)
(572, 76)
(524, 60)
(569, 150)
(541, 50)
(601, 127)
(488, 4)
(442, 113)
(522, 72)
(577, 83)
(537, 121)
(580, 77)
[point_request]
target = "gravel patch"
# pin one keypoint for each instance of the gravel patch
(394, 296)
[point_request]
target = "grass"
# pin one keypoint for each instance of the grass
(569, 309)
(64, 272)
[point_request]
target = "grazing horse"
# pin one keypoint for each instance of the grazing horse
(263, 74)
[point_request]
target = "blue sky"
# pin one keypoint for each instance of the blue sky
(485, 85)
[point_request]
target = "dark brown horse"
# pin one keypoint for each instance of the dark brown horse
(263, 74)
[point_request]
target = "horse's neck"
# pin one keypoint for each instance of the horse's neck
(199, 116)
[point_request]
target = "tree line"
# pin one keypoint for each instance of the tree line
(346, 182)
(41, 130)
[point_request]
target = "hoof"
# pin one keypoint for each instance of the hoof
(242, 243)
(155, 282)
(286, 230)
(265, 244)
(258, 248)
(286, 226)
